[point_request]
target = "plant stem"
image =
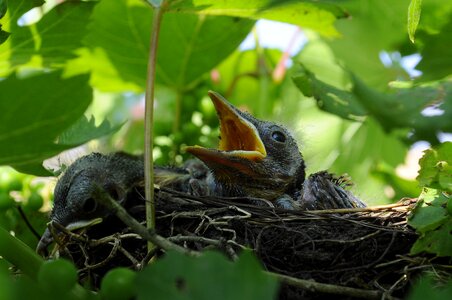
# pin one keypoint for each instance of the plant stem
(176, 124)
(19, 254)
(314, 286)
(149, 121)
(146, 233)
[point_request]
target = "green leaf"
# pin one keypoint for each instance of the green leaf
(55, 37)
(19, 254)
(428, 288)
(431, 219)
(318, 57)
(404, 107)
(203, 42)
(437, 241)
(249, 267)
(35, 110)
(435, 14)
(85, 130)
(401, 107)
(319, 16)
(2, 8)
(3, 35)
(429, 212)
(210, 276)
(374, 26)
(414, 15)
(104, 76)
(62, 29)
(20, 36)
(329, 98)
(436, 60)
(10, 12)
(35, 168)
(436, 167)
(189, 45)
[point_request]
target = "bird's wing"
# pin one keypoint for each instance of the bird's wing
(323, 190)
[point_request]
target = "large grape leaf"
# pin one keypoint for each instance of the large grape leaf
(436, 60)
(55, 37)
(85, 130)
(210, 276)
(319, 15)
(10, 12)
(104, 76)
(400, 108)
(35, 110)
(405, 107)
(3, 34)
(430, 211)
(432, 221)
(436, 167)
(428, 287)
(2, 8)
(437, 241)
(435, 14)
(374, 26)
(190, 45)
(318, 57)
(329, 98)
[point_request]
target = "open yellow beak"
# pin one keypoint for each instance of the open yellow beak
(239, 138)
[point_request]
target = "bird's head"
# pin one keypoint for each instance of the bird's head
(75, 206)
(254, 158)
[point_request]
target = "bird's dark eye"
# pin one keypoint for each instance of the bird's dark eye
(89, 205)
(279, 136)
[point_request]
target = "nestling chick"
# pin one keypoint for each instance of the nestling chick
(117, 173)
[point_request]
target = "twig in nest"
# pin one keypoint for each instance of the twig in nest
(230, 251)
(195, 239)
(136, 263)
(359, 239)
(147, 259)
(104, 198)
(111, 255)
(61, 240)
(361, 209)
(314, 286)
(111, 238)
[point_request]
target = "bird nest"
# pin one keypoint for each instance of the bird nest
(360, 252)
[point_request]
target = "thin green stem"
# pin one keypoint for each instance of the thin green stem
(177, 122)
(19, 254)
(148, 234)
(149, 121)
